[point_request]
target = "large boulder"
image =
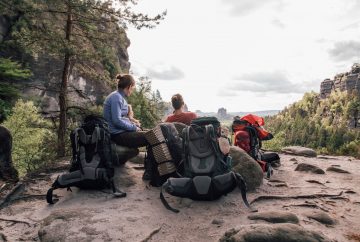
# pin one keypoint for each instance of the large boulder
(7, 171)
(273, 233)
(298, 150)
(247, 167)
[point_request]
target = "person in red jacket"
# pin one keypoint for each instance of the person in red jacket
(179, 115)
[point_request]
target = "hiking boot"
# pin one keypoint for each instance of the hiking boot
(148, 170)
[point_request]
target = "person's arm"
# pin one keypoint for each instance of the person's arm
(116, 117)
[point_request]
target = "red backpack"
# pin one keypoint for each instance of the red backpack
(248, 134)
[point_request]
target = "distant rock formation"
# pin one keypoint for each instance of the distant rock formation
(348, 81)
(221, 113)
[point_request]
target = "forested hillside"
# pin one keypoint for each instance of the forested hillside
(329, 125)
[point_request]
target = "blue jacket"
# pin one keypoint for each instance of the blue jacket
(115, 113)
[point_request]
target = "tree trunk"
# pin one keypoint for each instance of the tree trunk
(63, 87)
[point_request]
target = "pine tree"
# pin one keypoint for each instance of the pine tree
(72, 30)
(10, 73)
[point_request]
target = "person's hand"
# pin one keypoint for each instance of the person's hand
(138, 129)
(137, 123)
(130, 112)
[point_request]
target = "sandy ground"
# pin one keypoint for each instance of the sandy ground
(83, 215)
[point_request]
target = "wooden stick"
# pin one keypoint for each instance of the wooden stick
(279, 197)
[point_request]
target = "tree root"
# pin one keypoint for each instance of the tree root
(310, 205)
(276, 181)
(151, 235)
(15, 192)
(15, 221)
(279, 197)
(315, 181)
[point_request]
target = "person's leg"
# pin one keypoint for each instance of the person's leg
(130, 139)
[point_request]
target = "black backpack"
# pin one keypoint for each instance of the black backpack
(203, 121)
(92, 159)
(207, 172)
(163, 154)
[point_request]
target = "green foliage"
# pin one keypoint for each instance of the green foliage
(10, 72)
(32, 137)
(148, 106)
(276, 143)
(318, 123)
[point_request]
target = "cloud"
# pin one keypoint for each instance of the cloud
(245, 7)
(264, 82)
(278, 23)
(165, 73)
(223, 92)
(345, 50)
(353, 25)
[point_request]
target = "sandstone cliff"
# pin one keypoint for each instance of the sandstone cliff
(348, 81)
(83, 88)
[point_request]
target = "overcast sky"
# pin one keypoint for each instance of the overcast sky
(245, 55)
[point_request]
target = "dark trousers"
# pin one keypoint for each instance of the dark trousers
(130, 139)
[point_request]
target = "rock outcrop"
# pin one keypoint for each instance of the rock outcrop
(7, 171)
(271, 233)
(299, 150)
(348, 81)
(47, 71)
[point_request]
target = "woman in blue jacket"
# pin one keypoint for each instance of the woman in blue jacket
(116, 109)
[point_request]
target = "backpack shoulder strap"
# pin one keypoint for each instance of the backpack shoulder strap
(209, 129)
(240, 182)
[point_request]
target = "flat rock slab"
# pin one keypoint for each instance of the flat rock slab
(336, 169)
(57, 225)
(298, 150)
(275, 217)
(247, 167)
(309, 168)
(273, 233)
(321, 217)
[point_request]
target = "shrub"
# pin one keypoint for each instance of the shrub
(31, 137)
